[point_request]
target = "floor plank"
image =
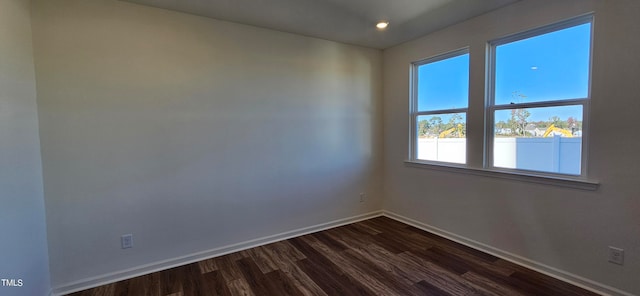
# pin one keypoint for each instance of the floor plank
(379, 256)
(240, 287)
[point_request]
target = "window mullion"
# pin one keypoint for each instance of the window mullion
(442, 112)
(540, 104)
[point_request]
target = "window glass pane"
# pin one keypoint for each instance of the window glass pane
(444, 84)
(551, 66)
(442, 137)
(546, 139)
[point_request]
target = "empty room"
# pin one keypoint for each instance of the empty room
(319, 147)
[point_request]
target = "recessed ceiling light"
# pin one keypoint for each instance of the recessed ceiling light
(382, 24)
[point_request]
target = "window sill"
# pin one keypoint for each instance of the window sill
(518, 176)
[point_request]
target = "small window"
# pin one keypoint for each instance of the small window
(540, 97)
(439, 108)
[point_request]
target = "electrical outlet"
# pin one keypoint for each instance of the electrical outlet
(126, 241)
(616, 255)
(362, 196)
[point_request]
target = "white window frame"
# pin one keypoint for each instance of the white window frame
(492, 107)
(413, 107)
(482, 162)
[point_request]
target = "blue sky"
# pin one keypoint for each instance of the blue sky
(444, 84)
(546, 67)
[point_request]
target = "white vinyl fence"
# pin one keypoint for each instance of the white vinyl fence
(555, 154)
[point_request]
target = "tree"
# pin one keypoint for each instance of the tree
(423, 128)
(453, 121)
(435, 125)
(456, 123)
(571, 122)
(574, 124)
(518, 121)
(557, 121)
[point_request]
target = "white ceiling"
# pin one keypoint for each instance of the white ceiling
(348, 21)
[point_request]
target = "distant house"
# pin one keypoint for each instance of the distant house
(532, 130)
(504, 131)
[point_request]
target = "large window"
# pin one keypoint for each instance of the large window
(532, 118)
(539, 82)
(439, 108)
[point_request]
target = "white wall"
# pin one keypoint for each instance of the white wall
(23, 240)
(151, 122)
(564, 228)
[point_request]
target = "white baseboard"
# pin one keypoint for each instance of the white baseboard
(195, 257)
(528, 263)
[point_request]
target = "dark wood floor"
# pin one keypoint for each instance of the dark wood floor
(375, 257)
